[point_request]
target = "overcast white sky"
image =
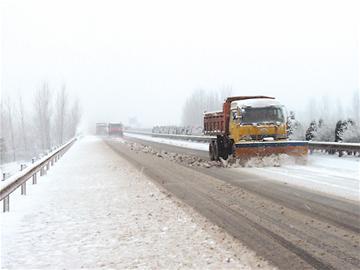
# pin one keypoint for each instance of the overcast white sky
(143, 58)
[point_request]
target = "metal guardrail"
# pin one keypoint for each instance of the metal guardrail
(331, 147)
(19, 179)
(197, 138)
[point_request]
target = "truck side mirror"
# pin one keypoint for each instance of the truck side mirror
(235, 116)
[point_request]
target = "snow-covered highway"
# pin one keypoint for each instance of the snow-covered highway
(95, 210)
(291, 225)
(127, 203)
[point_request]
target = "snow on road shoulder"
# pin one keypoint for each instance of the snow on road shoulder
(95, 210)
(323, 173)
(180, 143)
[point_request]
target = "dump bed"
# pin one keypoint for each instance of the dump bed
(214, 123)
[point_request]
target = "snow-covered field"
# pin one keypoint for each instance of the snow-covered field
(94, 210)
(11, 168)
(324, 173)
(181, 143)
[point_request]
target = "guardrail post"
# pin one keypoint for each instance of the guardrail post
(23, 186)
(23, 189)
(48, 166)
(34, 178)
(6, 204)
(3, 176)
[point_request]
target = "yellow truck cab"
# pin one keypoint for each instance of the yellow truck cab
(257, 119)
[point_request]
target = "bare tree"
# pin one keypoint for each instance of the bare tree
(74, 119)
(61, 114)
(201, 101)
(312, 111)
(355, 113)
(17, 141)
(2, 132)
(22, 123)
(9, 108)
(42, 106)
(224, 92)
(194, 108)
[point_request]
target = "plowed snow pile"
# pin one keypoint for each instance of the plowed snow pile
(194, 161)
(94, 210)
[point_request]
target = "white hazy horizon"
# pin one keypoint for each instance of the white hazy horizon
(144, 58)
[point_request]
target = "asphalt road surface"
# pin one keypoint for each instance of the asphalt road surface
(291, 227)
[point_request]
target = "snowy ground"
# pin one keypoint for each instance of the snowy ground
(94, 210)
(11, 167)
(324, 173)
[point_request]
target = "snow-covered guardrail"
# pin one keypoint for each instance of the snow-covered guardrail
(331, 147)
(196, 138)
(19, 179)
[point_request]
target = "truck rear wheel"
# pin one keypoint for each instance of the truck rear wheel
(222, 146)
(216, 151)
(211, 151)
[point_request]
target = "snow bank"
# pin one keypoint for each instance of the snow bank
(270, 161)
(180, 143)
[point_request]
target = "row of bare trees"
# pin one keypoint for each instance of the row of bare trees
(203, 100)
(33, 127)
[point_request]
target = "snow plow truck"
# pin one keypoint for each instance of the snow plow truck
(250, 126)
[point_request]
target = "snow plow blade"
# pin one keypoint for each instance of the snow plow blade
(259, 149)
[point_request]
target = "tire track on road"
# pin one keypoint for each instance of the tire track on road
(246, 220)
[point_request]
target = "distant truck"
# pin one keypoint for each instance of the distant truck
(250, 126)
(101, 129)
(115, 129)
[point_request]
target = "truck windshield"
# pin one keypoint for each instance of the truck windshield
(252, 115)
